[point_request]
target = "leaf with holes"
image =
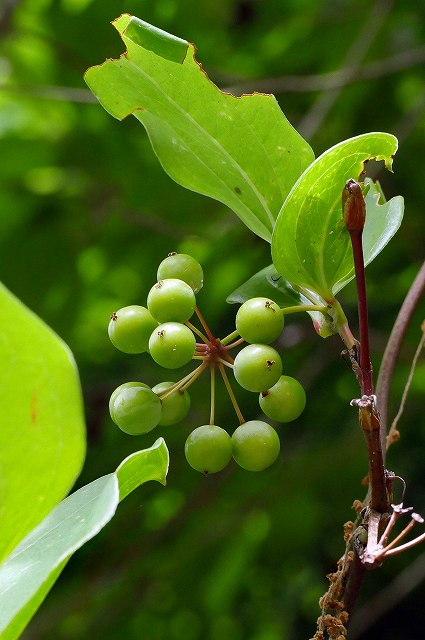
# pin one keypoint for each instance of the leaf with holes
(240, 151)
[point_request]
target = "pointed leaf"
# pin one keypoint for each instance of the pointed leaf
(32, 568)
(311, 247)
(42, 435)
(240, 151)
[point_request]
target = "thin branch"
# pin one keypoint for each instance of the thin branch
(283, 84)
(46, 92)
(334, 79)
(393, 433)
(356, 53)
(393, 347)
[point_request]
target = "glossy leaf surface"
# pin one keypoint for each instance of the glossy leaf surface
(32, 568)
(240, 151)
(268, 283)
(42, 436)
(311, 247)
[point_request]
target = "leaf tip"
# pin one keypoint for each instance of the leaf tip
(152, 38)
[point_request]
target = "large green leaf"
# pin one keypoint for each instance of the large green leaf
(32, 568)
(310, 246)
(42, 435)
(240, 151)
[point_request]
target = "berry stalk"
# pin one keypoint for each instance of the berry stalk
(179, 385)
(231, 394)
(304, 307)
(195, 376)
(225, 341)
(204, 324)
(212, 409)
(196, 330)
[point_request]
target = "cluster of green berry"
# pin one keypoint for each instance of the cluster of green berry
(164, 330)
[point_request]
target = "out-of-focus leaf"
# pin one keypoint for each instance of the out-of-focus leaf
(311, 246)
(240, 151)
(32, 568)
(42, 436)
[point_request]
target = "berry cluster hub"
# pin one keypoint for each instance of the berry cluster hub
(164, 329)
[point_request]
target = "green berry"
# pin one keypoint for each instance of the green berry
(130, 328)
(256, 445)
(259, 320)
(135, 408)
(175, 406)
(172, 345)
(257, 367)
(183, 267)
(208, 449)
(171, 300)
(285, 401)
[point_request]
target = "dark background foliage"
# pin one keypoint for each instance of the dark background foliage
(86, 216)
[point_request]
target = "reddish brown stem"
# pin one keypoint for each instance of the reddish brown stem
(354, 210)
(365, 363)
(352, 571)
(354, 581)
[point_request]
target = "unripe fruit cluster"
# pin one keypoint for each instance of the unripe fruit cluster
(163, 329)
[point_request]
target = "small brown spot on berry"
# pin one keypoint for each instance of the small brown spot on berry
(269, 305)
(270, 363)
(114, 316)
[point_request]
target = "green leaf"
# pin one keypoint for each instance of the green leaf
(269, 283)
(311, 246)
(32, 568)
(42, 435)
(240, 151)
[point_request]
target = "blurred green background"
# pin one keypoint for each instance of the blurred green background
(86, 216)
